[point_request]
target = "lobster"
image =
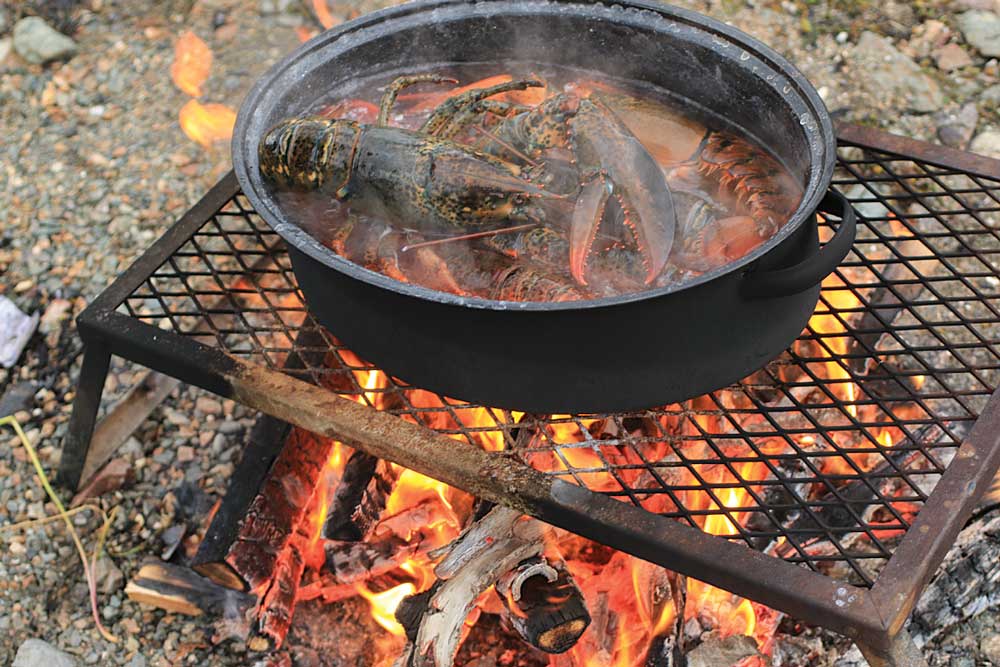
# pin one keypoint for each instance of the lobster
(554, 166)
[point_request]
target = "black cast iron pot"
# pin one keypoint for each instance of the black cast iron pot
(633, 351)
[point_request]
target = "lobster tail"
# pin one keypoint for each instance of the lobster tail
(309, 153)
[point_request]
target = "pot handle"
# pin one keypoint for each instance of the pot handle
(810, 271)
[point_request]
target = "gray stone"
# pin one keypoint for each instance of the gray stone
(956, 129)
(990, 648)
(138, 660)
(991, 95)
(887, 72)
(36, 653)
(982, 30)
(951, 57)
(38, 42)
(6, 44)
(107, 575)
(987, 143)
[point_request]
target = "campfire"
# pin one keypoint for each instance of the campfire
(818, 459)
(426, 562)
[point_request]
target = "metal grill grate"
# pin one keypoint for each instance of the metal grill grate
(821, 458)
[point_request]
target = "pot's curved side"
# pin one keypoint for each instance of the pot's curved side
(742, 83)
(620, 353)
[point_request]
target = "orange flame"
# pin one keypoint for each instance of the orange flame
(207, 123)
(192, 63)
(384, 605)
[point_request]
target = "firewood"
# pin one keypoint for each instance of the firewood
(966, 585)
(264, 445)
(179, 590)
(274, 616)
(278, 507)
(840, 511)
(374, 499)
(357, 473)
(351, 562)
(543, 604)
(485, 551)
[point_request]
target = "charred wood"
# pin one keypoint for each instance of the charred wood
(266, 441)
(543, 605)
(278, 508)
(966, 585)
(274, 615)
(667, 599)
(179, 590)
(373, 501)
(350, 562)
(841, 510)
(358, 473)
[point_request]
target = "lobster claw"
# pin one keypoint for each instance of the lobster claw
(616, 164)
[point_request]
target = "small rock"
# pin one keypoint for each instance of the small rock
(107, 576)
(38, 42)
(137, 661)
(54, 314)
(951, 56)
(991, 95)
(4, 21)
(982, 30)
(890, 72)
(990, 648)
(18, 398)
(987, 143)
(714, 652)
(15, 331)
(36, 653)
(208, 406)
(185, 454)
(6, 44)
(956, 129)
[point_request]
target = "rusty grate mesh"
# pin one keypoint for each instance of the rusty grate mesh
(821, 458)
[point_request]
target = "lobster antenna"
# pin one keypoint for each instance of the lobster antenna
(489, 135)
(475, 235)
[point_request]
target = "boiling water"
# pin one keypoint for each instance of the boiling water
(729, 195)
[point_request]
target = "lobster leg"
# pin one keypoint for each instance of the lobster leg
(448, 109)
(392, 92)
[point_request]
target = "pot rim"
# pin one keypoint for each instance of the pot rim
(820, 175)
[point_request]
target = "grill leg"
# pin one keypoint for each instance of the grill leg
(902, 653)
(90, 386)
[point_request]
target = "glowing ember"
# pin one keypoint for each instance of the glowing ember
(207, 123)
(192, 63)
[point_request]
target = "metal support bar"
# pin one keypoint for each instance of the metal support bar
(902, 652)
(86, 403)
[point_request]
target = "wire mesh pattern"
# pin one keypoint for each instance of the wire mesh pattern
(821, 458)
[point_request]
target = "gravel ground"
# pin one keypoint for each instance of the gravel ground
(94, 166)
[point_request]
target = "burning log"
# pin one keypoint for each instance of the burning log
(178, 590)
(488, 549)
(358, 473)
(278, 508)
(265, 444)
(376, 494)
(392, 542)
(543, 604)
